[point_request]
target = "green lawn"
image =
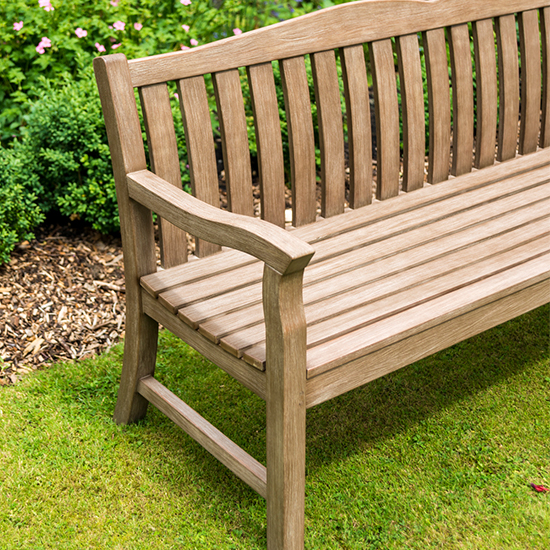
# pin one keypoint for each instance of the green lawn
(437, 455)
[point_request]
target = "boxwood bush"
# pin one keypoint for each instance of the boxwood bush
(51, 126)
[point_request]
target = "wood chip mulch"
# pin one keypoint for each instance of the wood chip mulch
(61, 298)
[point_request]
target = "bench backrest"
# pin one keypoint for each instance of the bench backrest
(459, 56)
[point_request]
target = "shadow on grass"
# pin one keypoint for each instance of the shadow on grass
(337, 429)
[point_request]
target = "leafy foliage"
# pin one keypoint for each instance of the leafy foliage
(19, 213)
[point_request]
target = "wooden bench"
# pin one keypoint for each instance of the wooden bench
(365, 285)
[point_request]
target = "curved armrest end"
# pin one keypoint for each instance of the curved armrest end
(279, 249)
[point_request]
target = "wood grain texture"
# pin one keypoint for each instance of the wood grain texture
(425, 316)
(127, 154)
(300, 140)
(545, 34)
(463, 99)
(200, 148)
(236, 152)
(215, 442)
(487, 93)
(253, 379)
(331, 132)
(276, 247)
(286, 409)
(408, 350)
(412, 104)
(363, 22)
(437, 74)
(164, 159)
(387, 119)
(530, 81)
(356, 93)
(268, 142)
(508, 71)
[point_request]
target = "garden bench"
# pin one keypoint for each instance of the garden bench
(364, 285)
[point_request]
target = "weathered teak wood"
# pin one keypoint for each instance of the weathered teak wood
(200, 147)
(387, 119)
(331, 133)
(300, 140)
(486, 79)
(302, 315)
(163, 153)
(412, 100)
(463, 99)
(236, 154)
(545, 33)
(439, 105)
(269, 143)
(356, 87)
(508, 71)
(530, 81)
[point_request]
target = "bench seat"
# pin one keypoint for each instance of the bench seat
(466, 243)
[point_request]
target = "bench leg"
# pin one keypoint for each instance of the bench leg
(286, 410)
(140, 351)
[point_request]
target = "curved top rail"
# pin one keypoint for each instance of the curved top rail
(363, 21)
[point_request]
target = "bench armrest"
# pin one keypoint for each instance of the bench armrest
(278, 248)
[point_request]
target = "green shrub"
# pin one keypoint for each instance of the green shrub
(145, 27)
(19, 213)
(66, 148)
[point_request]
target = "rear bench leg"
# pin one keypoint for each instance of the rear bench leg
(140, 351)
(286, 409)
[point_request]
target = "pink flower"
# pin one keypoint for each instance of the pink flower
(44, 43)
(81, 33)
(115, 46)
(45, 4)
(194, 42)
(99, 47)
(119, 25)
(138, 26)
(237, 32)
(185, 2)
(114, 3)
(176, 95)
(185, 28)
(18, 26)
(185, 47)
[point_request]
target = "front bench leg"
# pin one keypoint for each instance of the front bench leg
(286, 409)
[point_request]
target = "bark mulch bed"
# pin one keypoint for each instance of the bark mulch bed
(61, 298)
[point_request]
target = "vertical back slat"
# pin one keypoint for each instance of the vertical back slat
(530, 81)
(487, 92)
(301, 140)
(163, 156)
(463, 99)
(268, 142)
(236, 152)
(331, 132)
(387, 119)
(200, 148)
(412, 102)
(356, 92)
(508, 74)
(545, 33)
(437, 74)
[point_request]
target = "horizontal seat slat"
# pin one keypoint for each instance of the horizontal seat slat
(359, 308)
(162, 281)
(535, 207)
(381, 231)
(378, 335)
(345, 291)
